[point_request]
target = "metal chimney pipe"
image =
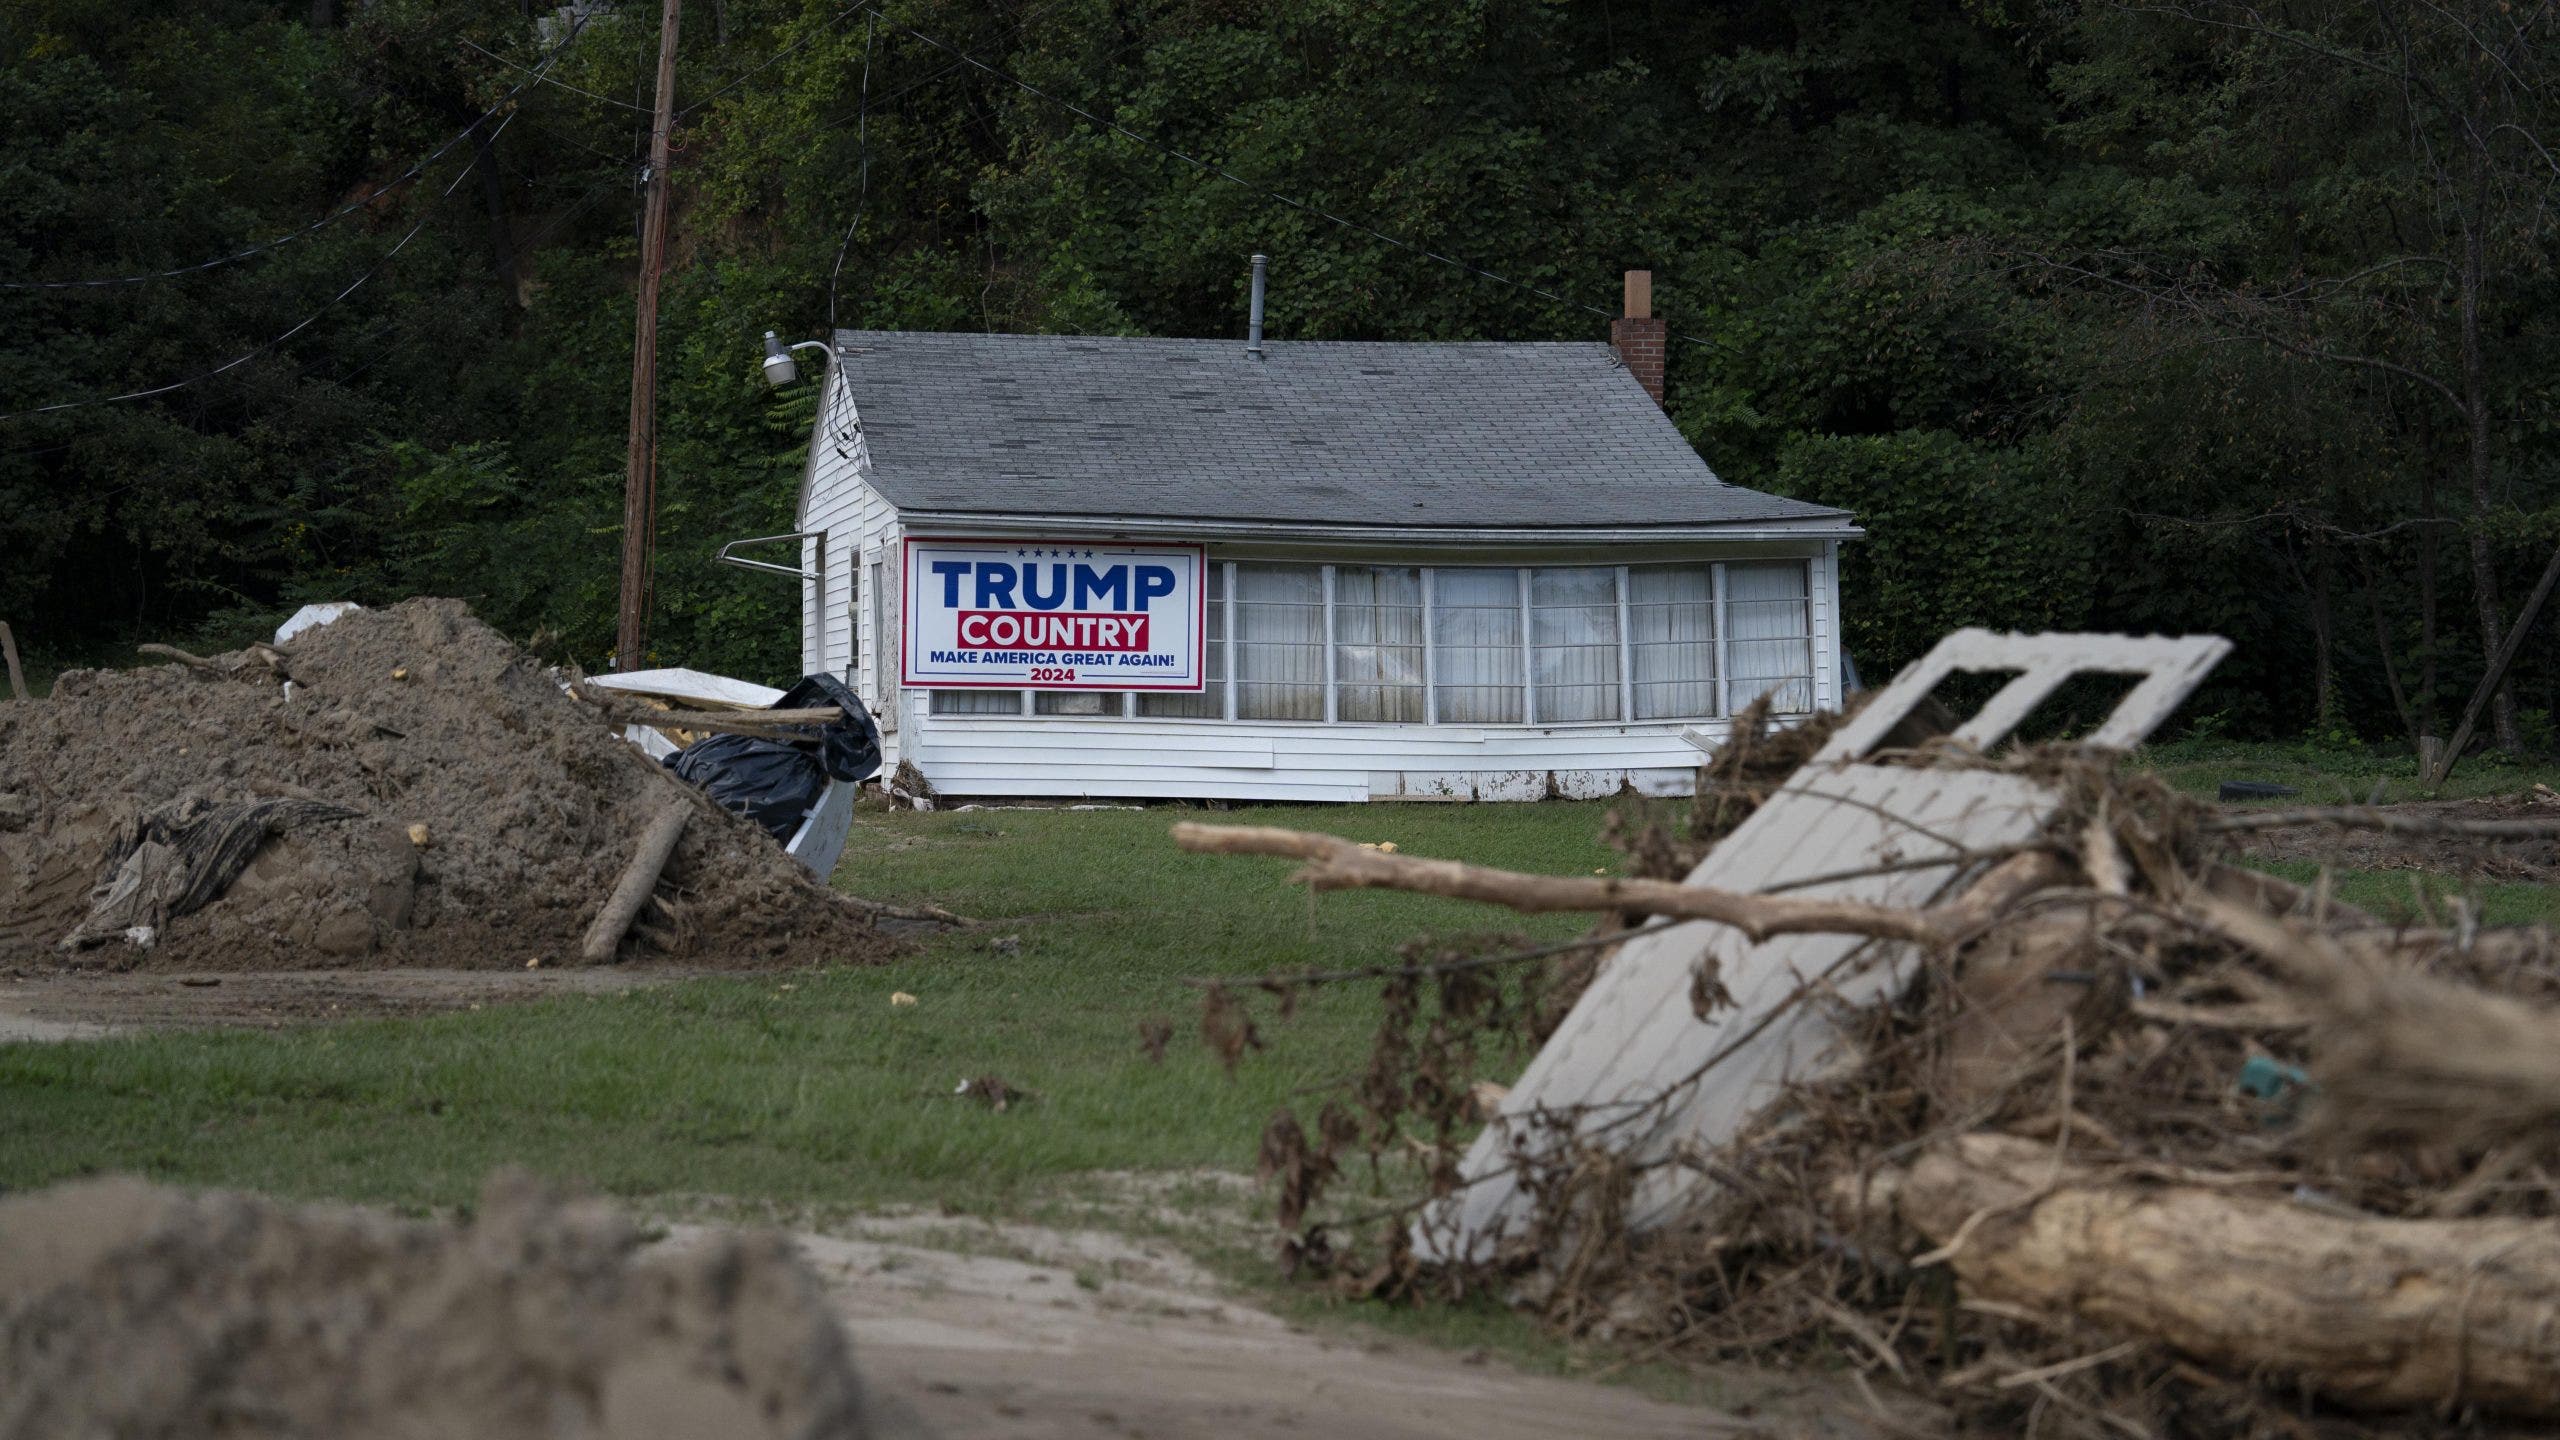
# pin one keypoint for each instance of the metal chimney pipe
(1253, 331)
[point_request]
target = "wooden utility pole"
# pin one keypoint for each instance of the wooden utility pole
(640, 489)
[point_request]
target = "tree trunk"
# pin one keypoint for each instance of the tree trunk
(2384, 649)
(2428, 541)
(2371, 1312)
(2324, 643)
(2475, 407)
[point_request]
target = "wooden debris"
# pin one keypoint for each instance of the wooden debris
(2370, 1312)
(263, 662)
(9, 654)
(639, 881)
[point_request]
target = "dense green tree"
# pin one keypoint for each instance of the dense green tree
(2177, 315)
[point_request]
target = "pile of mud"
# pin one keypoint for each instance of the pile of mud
(437, 801)
(126, 1309)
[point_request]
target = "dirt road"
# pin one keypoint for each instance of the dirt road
(74, 1005)
(970, 1331)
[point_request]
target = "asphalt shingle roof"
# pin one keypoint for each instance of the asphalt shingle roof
(1486, 434)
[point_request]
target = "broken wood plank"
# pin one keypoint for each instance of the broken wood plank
(639, 880)
(621, 710)
(9, 653)
(726, 721)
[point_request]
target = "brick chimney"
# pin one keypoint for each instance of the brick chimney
(1639, 337)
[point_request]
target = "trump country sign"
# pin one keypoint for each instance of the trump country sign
(1047, 615)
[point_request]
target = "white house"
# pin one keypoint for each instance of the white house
(1483, 570)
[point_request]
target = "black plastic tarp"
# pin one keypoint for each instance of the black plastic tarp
(776, 779)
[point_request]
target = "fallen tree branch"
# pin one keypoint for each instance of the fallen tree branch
(2372, 1312)
(265, 655)
(1334, 863)
(2367, 817)
(639, 881)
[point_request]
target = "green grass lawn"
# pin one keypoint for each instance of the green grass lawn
(811, 1088)
(2329, 775)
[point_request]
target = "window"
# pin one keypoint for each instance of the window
(1573, 643)
(1475, 644)
(1769, 635)
(887, 655)
(1209, 704)
(1377, 643)
(1279, 642)
(1671, 635)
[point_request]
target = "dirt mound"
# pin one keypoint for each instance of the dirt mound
(126, 1309)
(420, 793)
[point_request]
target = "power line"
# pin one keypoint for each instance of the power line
(776, 58)
(862, 200)
(305, 323)
(334, 216)
(401, 336)
(553, 81)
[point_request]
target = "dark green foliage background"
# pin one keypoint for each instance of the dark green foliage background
(1854, 212)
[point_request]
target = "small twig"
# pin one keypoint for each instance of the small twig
(2066, 1367)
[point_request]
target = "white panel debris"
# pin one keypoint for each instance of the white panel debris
(1635, 1069)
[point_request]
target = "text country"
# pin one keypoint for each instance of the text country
(1016, 630)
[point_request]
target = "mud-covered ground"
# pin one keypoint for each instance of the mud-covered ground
(537, 1318)
(2535, 860)
(1017, 1332)
(73, 1004)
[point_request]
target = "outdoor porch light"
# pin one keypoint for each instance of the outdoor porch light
(779, 368)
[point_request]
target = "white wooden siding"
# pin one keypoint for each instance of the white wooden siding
(1060, 757)
(858, 522)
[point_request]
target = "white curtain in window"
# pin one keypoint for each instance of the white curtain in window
(1769, 618)
(1377, 643)
(1671, 629)
(1209, 704)
(1475, 646)
(1573, 639)
(1076, 702)
(1279, 642)
(977, 702)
